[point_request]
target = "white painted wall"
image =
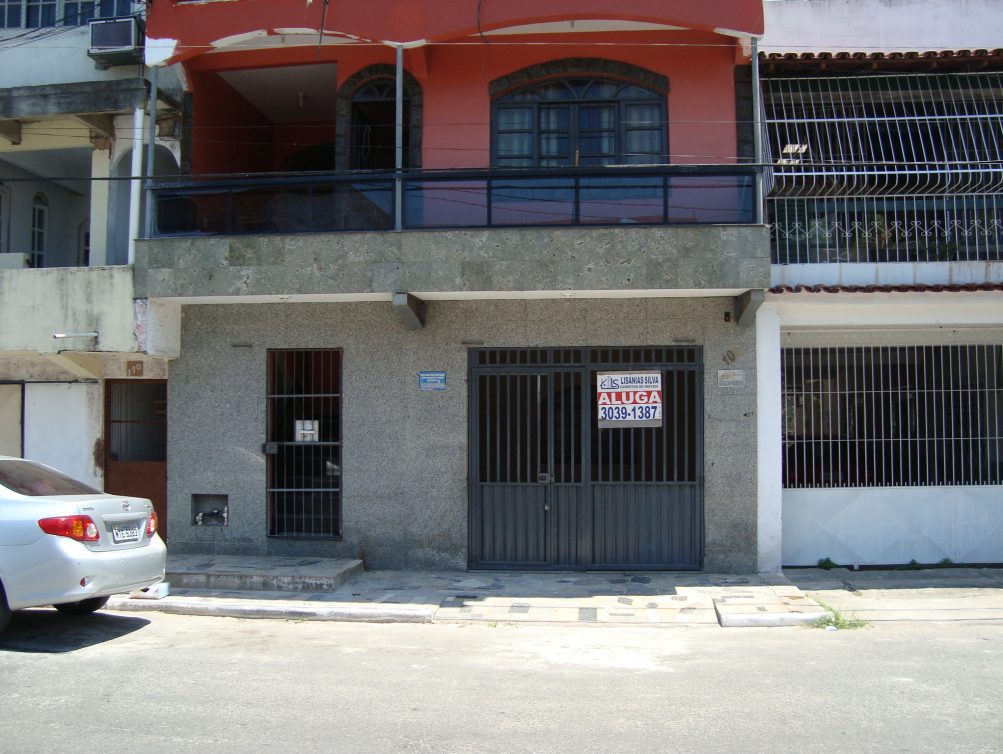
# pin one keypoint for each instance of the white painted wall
(62, 426)
(893, 525)
(768, 431)
(43, 58)
(881, 25)
(48, 56)
(158, 327)
(36, 303)
(888, 273)
(875, 311)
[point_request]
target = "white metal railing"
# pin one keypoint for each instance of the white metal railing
(887, 229)
(888, 167)
(885, 416)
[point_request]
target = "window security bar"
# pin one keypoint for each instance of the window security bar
(902, 416)
(886, 168)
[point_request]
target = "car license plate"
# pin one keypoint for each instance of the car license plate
(130, 534)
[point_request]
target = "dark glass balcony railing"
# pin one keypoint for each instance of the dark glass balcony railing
(663, 195)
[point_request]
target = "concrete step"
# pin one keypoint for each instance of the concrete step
(272, 574)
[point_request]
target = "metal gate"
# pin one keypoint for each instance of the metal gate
(304, 444)
(549, 489)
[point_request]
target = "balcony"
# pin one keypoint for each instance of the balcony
(677, 195)
(680, 228)
(938, 239)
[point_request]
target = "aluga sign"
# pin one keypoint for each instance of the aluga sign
(629, 399)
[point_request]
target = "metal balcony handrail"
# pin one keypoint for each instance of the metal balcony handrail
(226, 180)
(442, 199)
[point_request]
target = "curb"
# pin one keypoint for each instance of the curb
(276, 612)
(729, 617)
(768, 620)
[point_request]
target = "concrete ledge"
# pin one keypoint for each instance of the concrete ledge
(360, 264)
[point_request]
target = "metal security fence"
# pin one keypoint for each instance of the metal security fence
(893, 416)
(885, 167)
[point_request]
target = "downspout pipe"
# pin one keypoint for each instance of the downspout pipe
(757, 132)
(136, 181)
(151, 139)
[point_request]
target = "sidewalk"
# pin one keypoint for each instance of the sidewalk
(936, 594)
(325, 589)
(319, 589)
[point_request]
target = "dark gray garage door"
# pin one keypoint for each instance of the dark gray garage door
(549, 489)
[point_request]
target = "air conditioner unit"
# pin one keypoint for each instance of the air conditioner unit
(116, 41)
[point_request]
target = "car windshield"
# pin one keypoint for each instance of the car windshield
(27, 478)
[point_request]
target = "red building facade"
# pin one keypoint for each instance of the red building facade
(393, 355)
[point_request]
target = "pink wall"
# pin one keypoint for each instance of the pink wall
(196, 26)
(701, 100)
(457, 107)
(229, 134)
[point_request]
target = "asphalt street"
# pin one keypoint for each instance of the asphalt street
(160, 682)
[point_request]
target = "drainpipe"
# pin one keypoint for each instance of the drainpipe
(399, 141)
(757, 131)
(151, 139)
(136, 182)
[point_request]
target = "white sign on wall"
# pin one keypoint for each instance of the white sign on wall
(629, 399)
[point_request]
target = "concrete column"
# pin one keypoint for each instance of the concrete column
(136, 184)
(100, 195)
(769, 438)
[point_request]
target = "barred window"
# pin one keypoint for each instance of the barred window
(887, 416)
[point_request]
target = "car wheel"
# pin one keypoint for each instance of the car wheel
(84, 607)
(4, 610)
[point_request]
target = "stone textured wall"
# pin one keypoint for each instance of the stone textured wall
(405, 451)
(520, 259)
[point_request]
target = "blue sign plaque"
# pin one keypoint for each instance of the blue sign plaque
(431, 380)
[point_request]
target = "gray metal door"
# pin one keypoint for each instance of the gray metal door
(550, 489)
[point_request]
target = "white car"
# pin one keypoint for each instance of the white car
(64, 543)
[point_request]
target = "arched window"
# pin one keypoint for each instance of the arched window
(584, 120)
(373, 136)
(39, 229)
(367, 105)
